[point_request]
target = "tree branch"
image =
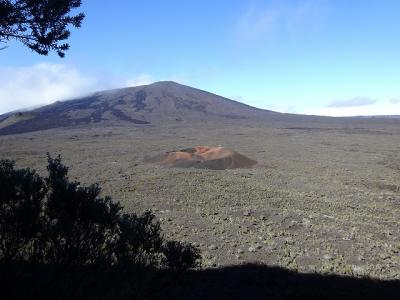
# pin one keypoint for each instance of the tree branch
(17, 36)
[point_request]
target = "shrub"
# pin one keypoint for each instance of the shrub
(181, 256)
(55, 221)
(21, 212)
(140, 240)
(81, 227)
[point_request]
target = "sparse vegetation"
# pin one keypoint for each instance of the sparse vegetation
(300, 211)
(54, 223)
(314, 201)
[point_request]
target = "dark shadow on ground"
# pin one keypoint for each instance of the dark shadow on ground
(234, 282)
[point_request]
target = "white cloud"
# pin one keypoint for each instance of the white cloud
(352, 102)
(289, 108)
(142, 79)
(261, 20)
(395, 100)
(41, 84)
(255, 22)
(379, 107)
(145, 79)
(237, 98)
(45, 83)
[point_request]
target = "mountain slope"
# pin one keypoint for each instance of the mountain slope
(157, 103)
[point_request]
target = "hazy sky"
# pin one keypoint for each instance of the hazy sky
(331, 57)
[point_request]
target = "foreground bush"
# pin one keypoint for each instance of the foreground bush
(22, 195)
(57, 222)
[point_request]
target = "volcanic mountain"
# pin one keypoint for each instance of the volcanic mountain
(158, 103)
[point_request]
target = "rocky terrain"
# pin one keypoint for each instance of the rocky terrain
(324, 196)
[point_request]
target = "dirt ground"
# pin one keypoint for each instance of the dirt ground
(324, 197)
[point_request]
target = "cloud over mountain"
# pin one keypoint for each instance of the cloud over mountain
(41, 84)
(352, 102)
(358, 106)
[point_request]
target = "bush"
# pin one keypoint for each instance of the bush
(181, 256)
(140, 240)
(58, 222)
(21, 212)
(81, 228)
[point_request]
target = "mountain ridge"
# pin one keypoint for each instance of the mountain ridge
(158, 103)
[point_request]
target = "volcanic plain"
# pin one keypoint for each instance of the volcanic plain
(324, 196)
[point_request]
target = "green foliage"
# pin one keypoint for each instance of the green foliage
(140, 239)
(41, 25)
(81, 226)
(21, 203)
(55, 221)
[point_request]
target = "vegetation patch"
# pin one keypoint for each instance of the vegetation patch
(55, 228)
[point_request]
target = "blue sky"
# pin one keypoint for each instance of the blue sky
(330, 57)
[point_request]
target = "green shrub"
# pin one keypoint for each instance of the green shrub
(21, 212)
(55, 221)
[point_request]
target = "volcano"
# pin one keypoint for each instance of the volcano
(203, 157)
(159, 103)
